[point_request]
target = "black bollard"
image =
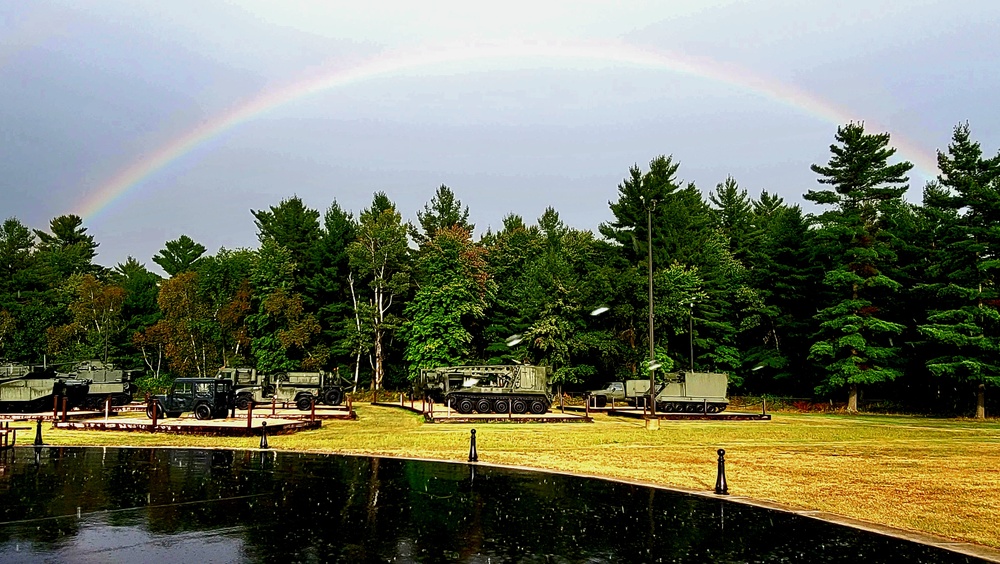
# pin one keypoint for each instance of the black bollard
(263, 434)
(38, 433)
(721, 487)
(473, 455)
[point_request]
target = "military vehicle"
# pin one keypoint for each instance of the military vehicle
(517, 388)
(30, 389)
(683, 392)
(610, 391)
(206, 397)
(106, 381)
(302, 388)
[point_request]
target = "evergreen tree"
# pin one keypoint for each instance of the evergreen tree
(293, 226)
(963, 325)
(328, 291)
(443, 212)
(179, 255)
(855, 340)
(68, 249)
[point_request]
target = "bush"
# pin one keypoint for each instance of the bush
(153, 384)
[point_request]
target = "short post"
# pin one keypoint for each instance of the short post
(430, 406)
(55, 409)
(107, 408)
(612, 404)
(250, 416)
(586, 407)
(38, 433)
(561, 406)
(312, 406)
(763, 406)
(704, 406)
(510, 410)
(349, 409)
(274, 403)
(263, 434)
(411, 401)
(401, 399)
(721, 486)
(65, 407)
(473, 454)
(156, 411)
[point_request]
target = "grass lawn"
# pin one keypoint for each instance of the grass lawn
(937, 476)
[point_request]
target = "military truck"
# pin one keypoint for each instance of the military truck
(206, 397)
(517, 388)
(30, 389)
(683, 392)
(301, 388)
(106, 381)
(611, 391)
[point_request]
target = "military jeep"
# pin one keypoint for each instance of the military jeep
(206, 397)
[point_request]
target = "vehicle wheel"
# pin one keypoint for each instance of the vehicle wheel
(519, 406)
(600, 401)
(719, 407)
(243, 401)
(484, 406)
(501, 406)
(150, 408)
(304, 403)
(333, 397)
(538, 407)
(464, 405)
(202, 412)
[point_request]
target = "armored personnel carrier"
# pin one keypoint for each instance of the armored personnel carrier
(516, 388)
(30, 389)
(106, 381)
(683, 392)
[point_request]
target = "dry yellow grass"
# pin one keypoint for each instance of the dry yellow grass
(928, 475)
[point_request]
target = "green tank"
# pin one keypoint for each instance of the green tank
(30, 389)
(514, 388)
(106, 381)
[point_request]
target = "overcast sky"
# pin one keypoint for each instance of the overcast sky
(155, 119)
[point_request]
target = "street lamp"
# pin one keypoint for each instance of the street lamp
(652, 352)
(691, 332)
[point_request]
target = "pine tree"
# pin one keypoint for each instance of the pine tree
(964, 327)
(855, 340)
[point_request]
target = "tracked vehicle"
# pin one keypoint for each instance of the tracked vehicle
(683, 392)
(30, 389)
(517, 388)
(105, 381)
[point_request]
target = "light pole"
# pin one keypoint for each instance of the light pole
(691, 333)
(652, 352)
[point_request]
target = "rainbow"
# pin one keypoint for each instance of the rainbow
(530, 52)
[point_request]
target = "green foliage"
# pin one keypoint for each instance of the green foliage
(454, 288)
(179, 255)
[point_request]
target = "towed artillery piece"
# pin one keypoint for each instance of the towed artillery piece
(206, 397)
(683, 392)
(30, 389)
(514, 388)
(304, 389)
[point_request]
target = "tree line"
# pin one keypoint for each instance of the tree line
(869, 295)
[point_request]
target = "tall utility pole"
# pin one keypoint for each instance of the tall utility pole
(652, 352)
(691, 333)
